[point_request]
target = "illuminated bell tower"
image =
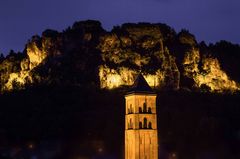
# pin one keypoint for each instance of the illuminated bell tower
(141, 139)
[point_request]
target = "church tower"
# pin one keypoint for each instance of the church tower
(141, 137)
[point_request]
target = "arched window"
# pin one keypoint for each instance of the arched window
(145, 123)
(144, 107)
(140, 110)
(150, 110)
(131, 125)
(131, 109)
(140, 125)
(149, 125)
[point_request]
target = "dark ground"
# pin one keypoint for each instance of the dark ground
(72, 122)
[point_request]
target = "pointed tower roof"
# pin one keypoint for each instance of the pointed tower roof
(140, 86)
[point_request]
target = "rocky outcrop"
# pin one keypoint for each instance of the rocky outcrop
(36, 51)
(131, 49)
(207, 73)
(87, 55)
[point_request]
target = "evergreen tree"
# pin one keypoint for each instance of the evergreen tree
(1, 57)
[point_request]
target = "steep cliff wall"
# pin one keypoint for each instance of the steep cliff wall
(37, 50)
(131, 49)
(206, 73)
(86, 54)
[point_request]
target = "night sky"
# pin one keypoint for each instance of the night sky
(209, 20)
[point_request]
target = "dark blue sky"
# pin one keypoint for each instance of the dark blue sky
(209, 20)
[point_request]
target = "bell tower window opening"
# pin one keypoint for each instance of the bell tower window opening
(149, 125)
(144, 107)
(145, 123)
(149, 110)
(130, 109)
(130, 126)
(140, 125)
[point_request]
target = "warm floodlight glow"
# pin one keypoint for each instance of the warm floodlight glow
(215, 78)
(110, 78)
(35, 57)
(17, 78)
(211, 74)
(30, 146)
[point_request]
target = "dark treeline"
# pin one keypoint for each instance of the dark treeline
(192, 125)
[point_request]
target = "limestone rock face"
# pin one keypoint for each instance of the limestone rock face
(25, 64)
(191, 62)
(87, 55)
(206, 72)
(37, 50)
(36, 55)
(214, 77)
(140, 48)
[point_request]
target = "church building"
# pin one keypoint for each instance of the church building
(141, 135)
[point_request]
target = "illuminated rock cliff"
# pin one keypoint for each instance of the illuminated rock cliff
(140, 48)
(86, 54)
(206, 71)
(19, 72)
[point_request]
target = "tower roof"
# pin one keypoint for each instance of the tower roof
(140, 86)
